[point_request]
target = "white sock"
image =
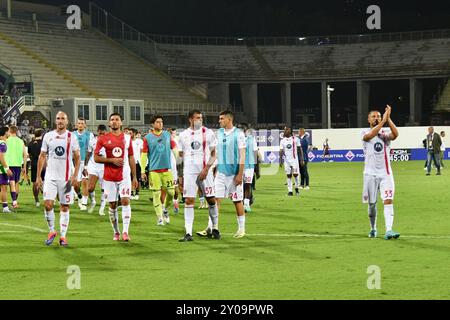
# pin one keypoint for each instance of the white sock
(210, 224)
(50, 217)
(114, 218)
(241, 222)
(64, 223)
(84, 200)
(92, 196)
(213, 217)
(389, 216)
(297, 182)
(289, 184)
(126, 218)
(188, 218)
(103, 201)
(247, 202)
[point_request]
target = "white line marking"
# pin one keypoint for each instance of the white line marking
(35, 229)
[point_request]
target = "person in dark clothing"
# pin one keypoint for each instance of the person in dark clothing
(434, 143)
(34, 150)
(304, 144)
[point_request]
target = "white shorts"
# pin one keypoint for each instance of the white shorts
(292, 167)
(190, 186)
(113, 189)
(80, 176)
(225, 188)
(248, 176)
(372, 184)
(98, 172)
(175, 176)
(60, 189)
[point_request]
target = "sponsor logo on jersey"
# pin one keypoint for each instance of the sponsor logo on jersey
(117, 152)
(195, 145)
(60, 151)
(378, 147)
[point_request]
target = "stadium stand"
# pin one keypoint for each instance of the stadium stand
(396, 58)
(85, 63)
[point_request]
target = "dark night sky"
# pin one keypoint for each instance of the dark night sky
(270, 18)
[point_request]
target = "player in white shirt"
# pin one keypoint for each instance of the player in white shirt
(197, 146)
(96, 172)
(229, 181)
(59, 149)
(378, 174)
(289, 156)
(138, 145)
(174, 161)
(251, 159)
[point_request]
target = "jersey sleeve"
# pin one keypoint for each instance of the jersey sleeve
(212, 139)
(3, 147)
(241, 140)
(180, 143)
(44, 147)
(75, 144)
(145, 146)
(173, 144)
(130, 148)
(363, 133)
(98, 146)
(91, 147)
(255, 144)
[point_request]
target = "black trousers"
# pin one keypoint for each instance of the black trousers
(304, 175)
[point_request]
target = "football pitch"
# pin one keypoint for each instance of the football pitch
(312, 247)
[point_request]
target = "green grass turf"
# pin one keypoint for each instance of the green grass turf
(313, 247)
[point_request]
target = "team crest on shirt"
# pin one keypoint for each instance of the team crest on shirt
(195, 145)
(60, 151)
(289, 146)
(378, 147)
(117, 152)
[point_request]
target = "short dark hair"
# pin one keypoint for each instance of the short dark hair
(38, 133)
(116, 114)
(192, 113)
(156, 117)
(102, 127)
(3, 131)
(82, 119)
(134, 131)
(227, 113)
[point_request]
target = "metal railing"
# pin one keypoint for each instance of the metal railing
(203, 72)
(184, 108)
(301, 40)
